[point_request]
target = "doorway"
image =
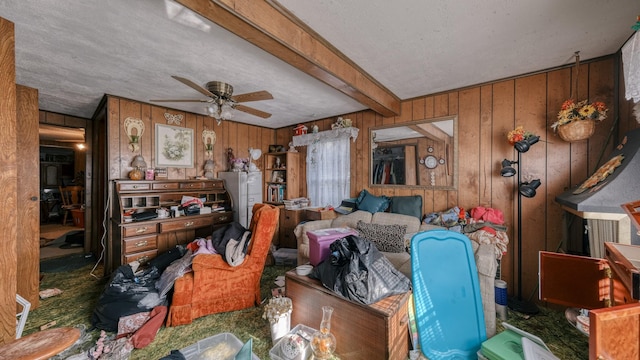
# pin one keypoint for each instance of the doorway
(62, 165)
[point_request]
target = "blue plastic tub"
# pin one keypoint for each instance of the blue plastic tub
(447, 298)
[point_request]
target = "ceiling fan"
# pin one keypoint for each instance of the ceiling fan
(221, 101)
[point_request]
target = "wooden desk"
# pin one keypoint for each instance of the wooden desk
(40, 345)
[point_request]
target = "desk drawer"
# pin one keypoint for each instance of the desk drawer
(191, 185)
(140, 229)
(185, 223)
(141, 243)
(134, 186)
(166, 186)
(142, 257)
(221, 218)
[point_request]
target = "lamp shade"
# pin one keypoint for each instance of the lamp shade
(138, 162)
(507, 170)
(524, 145)
(529, 189)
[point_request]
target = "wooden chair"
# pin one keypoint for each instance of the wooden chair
(72, 198)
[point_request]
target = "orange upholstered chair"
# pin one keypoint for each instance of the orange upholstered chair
(214, 286)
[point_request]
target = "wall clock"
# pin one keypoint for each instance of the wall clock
(430, 162)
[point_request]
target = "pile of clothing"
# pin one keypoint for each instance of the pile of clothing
(482, 224)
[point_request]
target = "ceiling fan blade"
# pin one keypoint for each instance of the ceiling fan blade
(194, 86)
(184, 100)
(253, 96)
(252, 111)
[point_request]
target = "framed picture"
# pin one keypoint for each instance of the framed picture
(174, 146)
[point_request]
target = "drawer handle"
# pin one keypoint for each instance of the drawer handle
(143, 259)
(223, 218)
(404, 320)
(135, 186)
(187, 224)
(141, 230)
(142, 243)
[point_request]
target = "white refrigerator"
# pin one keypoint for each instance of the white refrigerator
(246, 190)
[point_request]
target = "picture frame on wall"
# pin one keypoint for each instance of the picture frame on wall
(174, 146)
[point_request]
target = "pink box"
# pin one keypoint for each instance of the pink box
(319, 241)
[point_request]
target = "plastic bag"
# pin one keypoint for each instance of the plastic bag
(356, 270)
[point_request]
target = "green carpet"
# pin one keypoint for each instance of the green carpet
(81, 291)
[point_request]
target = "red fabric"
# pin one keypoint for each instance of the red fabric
(481, 213)
(147, 332)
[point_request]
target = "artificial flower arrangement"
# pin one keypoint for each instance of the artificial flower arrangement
(572, 111)
(518, 134)
(276, 307)
(341, 123)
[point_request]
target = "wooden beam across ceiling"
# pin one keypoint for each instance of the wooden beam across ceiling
(273, 29)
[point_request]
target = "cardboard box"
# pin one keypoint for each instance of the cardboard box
(320, 214)
(319, 241)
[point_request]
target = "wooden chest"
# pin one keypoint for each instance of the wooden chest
(377, 331)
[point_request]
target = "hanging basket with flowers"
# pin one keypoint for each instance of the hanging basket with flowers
(576, 121)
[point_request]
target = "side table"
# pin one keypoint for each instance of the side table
(376, 331)
(40, 345)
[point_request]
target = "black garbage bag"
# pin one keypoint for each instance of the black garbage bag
(356, 270)
(126, 294)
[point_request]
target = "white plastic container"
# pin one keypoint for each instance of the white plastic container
(305, 332)
(221, 342)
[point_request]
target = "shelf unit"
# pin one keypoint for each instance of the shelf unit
(143, 240)
(281, 177)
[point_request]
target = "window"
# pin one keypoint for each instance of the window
(328, 165)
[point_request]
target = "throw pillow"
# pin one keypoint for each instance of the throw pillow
(387, 238)
(407, 205)
(372, 203)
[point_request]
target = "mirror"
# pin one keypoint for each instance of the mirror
(420, 153)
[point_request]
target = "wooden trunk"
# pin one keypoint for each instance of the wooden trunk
(377, 331)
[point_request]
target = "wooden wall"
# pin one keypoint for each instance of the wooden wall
(8, 183)
(486, 113)
(229, 134)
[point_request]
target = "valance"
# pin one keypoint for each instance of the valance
(325, 136)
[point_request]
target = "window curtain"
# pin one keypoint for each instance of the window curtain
(328, 165)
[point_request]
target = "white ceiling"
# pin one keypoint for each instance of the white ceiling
(74, 52)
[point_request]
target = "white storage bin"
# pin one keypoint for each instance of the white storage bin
(276, 353)
(223, 346)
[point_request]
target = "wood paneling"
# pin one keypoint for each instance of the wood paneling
(28, 206)
(229, 134)
(486, 113)
(8, 182)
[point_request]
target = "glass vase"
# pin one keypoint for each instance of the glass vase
(323, 343)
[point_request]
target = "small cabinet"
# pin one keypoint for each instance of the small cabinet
(289, 219)
(281, 177)
(143, 240)
(609, 288)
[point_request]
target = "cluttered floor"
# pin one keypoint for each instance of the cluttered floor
(57, 240)
(81, 285)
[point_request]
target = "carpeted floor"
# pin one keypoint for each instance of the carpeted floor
(81, 290)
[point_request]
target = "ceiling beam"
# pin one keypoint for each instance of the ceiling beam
(279, 33)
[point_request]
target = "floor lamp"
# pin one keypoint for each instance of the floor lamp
(526, 189)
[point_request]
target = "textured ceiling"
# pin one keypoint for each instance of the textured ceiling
(74, 52)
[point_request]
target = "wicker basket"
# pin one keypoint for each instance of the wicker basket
(577, 130)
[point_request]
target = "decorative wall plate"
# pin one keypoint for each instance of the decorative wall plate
(131, 124)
